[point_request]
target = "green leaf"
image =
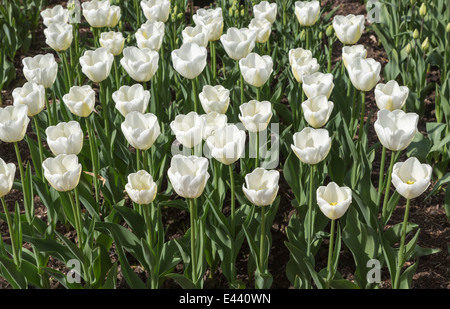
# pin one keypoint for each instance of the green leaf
(12, 274)
(184, 282)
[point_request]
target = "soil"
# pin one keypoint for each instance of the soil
(433, 271)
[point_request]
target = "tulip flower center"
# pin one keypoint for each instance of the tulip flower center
(410, 182)
(334, 203)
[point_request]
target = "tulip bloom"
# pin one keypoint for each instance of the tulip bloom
(96, 64)
(150, 35)
(256, 69)
(317, 84)
(411, 178)
(227, 144)
(212, 20)
(255, 115)
(396, 129)
(317, 111)
(302, 63)
(13, 123)
(65, 138)
(62, 172)
(333, 200)
(129, 99)
(188, 175)
(261, 186)
(197, 34)
(40, 69)
(141, 188)
(348, 28)
(238, 43)
(215, 98)
(80, 100)
(263, 29)
(141, 130)
(364, 73)
(31, 95)
(353, 51)
(55, 15)
(311, 146)
(265, 10)
(190, 60)
(391, 96)
(211, 122)
(112, 41)
(140, 64)
(307, 12)
(100, 13)
(7, 173)
(188, 129)
(156, 10)
(59, 36)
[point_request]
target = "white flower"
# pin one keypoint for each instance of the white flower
(65, 138)
(55, 15)
(215, 98)
(256, 69)
(100, 13)
(238, 43)
(263, 29)
(255, 115)
(307, 12)
(150, 35)
(131, 98)
(349, 28)
(353, 51)
(113, 41)
(157, 10)
(188, 129)
(261, 186)
(212, 20)
(364, 73)
(197, 34)
(31, 95)
(391, 96)
(7, 173)
(317, 84)
(59, 36)
(265, 10)
(227, 144)
(62, 172)
(141, 188)
(189, 60)
(303, 66)
(333, 200)
(411, 178)
(13, 123)
(141, 130)
(317, 111)
(211, 122)
(311, 145)
(80, 100)
(96, 64)
(140, 64)
(41, 69)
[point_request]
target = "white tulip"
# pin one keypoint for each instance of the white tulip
(197, 34)
(156, 10)
(255, 115)
(298, 53)
(31, 95)
(96, 64)
(141, 188)
(188, 175)
(317, 110)
(353, 51)
(391, 96)
(333, 200)
(317, 84)
(238, 43)
(263, 29)
(7, 173)
(62, 172)
(150, 35)
(215, 99)
(311, 145)
(141, 130)
(188, 129)
(65, 138)
(131, 98)
(189, 60)
(396, 129)
(265, 10)
(227, 144)
(411, 178)
(364, 73)
(13, 123)
(100, 13)
(303, 66)
(256, 69)
(80, 100)
(212, 20)
(348, 28)
(41, 69)
(261, 186)
(211, 122)
(140, 64)
(59, 36)
(113, 41)
(55, 15)
(307, 12)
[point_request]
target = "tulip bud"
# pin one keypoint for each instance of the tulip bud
(425, 44)
(180, 16)
(236, 13)
(448, 28)
(364, 73)
(261, 186)
(141, 188)
(62, 172)
(423, 9)
(320, 35)
(408, 49)
(242, 12)
(330, 31)
(7, 173)
(416, 34)
(230, 11)
(302, 35)
(256, 69)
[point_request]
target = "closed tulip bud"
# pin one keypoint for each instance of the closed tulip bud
(212, 20)
(349, 28)
(231, 11)
(141, 188)
(59, 36)
(41, 69)
(227, 144)
(150, 35)
(236, 13)
(320, 35)
(156, 10)
(141, 130)
(80, 100)
(425, 44)
(302, 64)
(180, 16)
(238, 43)
(256, 69)
(211, 122)
(447, 29)
(307, 12)
(96, 64)
(302, 35)
(330, 31)
(65, 138)
(100, 13)
(390, 96)
(31, 95)
(311, 145)
(411, 178)
(263, 29)
(197, 34)
(215, 99)
(62, 172)
(333, 200)
(364, 73)
(255, 115)
(265, 10)
(396, 129)
(13, 123)
(317, 111)
(7, 173)
(113, 41)
(55, 15)
(188, 129)
(408, 49)
(131, 99)
(423, 9)
(353, 51)
(416, 34)
(189, 60)
(317, 84)
(261, 186)
(140, 64)
(188, 175)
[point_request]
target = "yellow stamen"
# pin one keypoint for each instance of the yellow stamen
(334, 203)
(410, 182)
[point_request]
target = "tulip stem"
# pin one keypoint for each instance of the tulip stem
(330, 250)
(212, 47)
(388, 185)
(16, 256)
(116, 72)
(93, 148)
(310, 228)
(263, 237)
(352, 121)
(258, 94)
(363, 110)
(195, 93)
(138, 160)
(66, 69)
(41, 150)
(242, 88)
(401, 251)
(49, 111)
(104, 106)
(77, 216)
(380, 179)
(233, 205)
(193, 218)
(257, 150)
